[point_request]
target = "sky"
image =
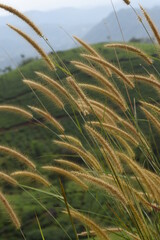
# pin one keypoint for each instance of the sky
(26, 5)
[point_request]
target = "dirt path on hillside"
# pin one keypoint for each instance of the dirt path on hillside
(31, 123)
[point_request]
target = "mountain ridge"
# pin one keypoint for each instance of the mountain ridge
(108, 29)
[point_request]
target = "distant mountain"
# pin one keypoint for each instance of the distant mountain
(108, 29)
(57, 25)
(60, 24)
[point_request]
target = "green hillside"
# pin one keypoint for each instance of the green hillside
(30, 137)
(35, 140)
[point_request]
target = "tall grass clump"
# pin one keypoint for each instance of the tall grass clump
(107, 150)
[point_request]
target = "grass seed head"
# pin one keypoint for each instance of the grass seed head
(23, 17)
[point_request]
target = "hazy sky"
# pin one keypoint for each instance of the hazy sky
(25, 5)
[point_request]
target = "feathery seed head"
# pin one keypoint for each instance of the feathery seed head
(90, 223)
(132, 49)
(86, 156)
(34, 45)
(106, 146)
(17, 155)
(32, 176)
(111, 67)
(48, 117)
(14, 109)
(70, 164)
(8, 179)
(151, 24)
(45, 91)
(10, 211)
(126, 1)
(23, 17)
(66, 174)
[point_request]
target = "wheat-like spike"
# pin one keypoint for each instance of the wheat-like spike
(72, 139)
(112, 67)
(109, 112)
(151, 106)
(116, 131)
(97, 110)
(45, 91)
(66, 174)
(106, 93)
(48, 117)
(149, 80)
(70, 164)
(8, 179)
(88, 157)
(131, 49)
(77, 88)
(23, 17)
(10, 211)
(149, 206)
(109, 230)
(106, 146)
(133, 236)
(153, 176)
(140, 222)
(87, 46)
(59, 87)
(94, 73)
(83, 107)
(103, 115)
(126, 1)
(34, 45)
(154, 120)
(17, 155)
(152, 188)
(92, 51)
(105, 109)
(14, 109)
(128, 125)
(152, 76)
(139, 195)
(90, 223)
(126, 146)
(31, 175)
(151, 24)
(104, 185)
(92, 233)
(130, 191)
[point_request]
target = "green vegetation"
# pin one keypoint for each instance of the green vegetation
(36, 141)
(110, 142)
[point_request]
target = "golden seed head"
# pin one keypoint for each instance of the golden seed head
(126, 1)
(34, 45)
(14, 109)
(23, 17)
(44, 90)
(31, 175)
(10, 211)
(67, 174)
(21, 157)
(47, 116)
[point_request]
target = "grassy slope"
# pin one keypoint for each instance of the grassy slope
(37, 141)
(13, 91)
